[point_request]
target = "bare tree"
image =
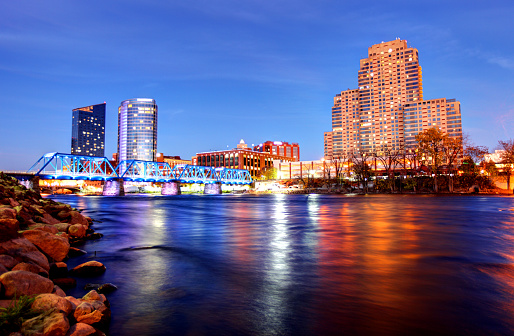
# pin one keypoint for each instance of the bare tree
(430, 147)
(453, 150)
(361, 168)
(388, 156)
(338, 163)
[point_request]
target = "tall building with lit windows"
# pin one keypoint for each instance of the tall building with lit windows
(137, 129)
(88, 130)
(388, 109)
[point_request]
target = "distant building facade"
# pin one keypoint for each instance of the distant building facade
(388, 110)
(172, 160)
(280, 148)
(241, 157)
(328, 145)
(88, 130)
(137, 129)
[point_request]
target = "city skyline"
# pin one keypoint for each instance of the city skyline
(233, 70)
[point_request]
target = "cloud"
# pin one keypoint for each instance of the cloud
(502, 62)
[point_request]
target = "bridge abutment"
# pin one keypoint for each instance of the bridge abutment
(113, 188)
(212, 188)
(171, 188)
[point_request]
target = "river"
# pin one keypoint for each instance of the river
(304, 264)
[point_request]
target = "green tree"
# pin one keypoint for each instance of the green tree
(473, 156)
(507, 158)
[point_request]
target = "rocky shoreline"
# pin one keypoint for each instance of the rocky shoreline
(36, 239)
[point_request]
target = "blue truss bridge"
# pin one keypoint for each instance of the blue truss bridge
(62, 166)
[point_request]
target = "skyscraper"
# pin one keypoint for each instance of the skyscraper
(88, 130)
(387, 109)
(137, 129)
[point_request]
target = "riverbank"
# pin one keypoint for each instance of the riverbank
(36, 239)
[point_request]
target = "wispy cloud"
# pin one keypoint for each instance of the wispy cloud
(499, 60)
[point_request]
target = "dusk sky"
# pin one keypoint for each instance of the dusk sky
(221, 71)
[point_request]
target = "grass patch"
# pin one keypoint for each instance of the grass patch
(13, 316)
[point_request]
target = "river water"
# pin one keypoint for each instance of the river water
(304, 264)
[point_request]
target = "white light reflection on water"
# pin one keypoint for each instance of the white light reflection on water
(277, 274)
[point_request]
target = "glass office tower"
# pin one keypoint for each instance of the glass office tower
(88, 130)
(137, 129)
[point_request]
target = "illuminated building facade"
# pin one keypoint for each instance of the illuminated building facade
(241, 157)
(172, 160)
(88, 130)
(388, 110)
(137, 129)
(328, 145)
(280, 148)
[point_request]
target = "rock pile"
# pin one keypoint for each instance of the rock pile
(35, 238)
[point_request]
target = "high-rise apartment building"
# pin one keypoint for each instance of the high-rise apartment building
(137, 129)
(387, 109)
(88, 130)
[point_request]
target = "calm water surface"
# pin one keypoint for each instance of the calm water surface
(305, 264)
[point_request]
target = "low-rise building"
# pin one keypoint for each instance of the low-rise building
(280, 148)
(172, 160)
(241, 157)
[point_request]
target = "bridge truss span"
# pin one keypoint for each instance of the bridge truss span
(62, 166)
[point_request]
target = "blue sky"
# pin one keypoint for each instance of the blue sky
(230, 69)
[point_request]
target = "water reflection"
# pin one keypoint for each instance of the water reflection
(306, 264)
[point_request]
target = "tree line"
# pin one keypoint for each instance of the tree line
(437, 163)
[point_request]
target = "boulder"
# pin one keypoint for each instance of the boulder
(81, 329)
(8, 261)
(63, 214)
(65, 283)
(25, 283)
(44, 227)
(77, 218)
(49, 219)
(74, 301)
(51, 323)
(3, 270)
(107, 288)
(13, 203)
(29, 267)
(58, 270)
(94, 236)
(22, 249)
(9, 229)
(7, 213)
(62, 227)
(77, 230)
(45, 302)
(75, 252)
(58, 291)
(54, 246)
(87, 269)
(92, 312)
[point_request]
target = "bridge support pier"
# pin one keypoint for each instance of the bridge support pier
(170, 188)
(113, 188)
(212, 188)
(30, 183)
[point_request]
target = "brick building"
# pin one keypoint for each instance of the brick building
(241, 157)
